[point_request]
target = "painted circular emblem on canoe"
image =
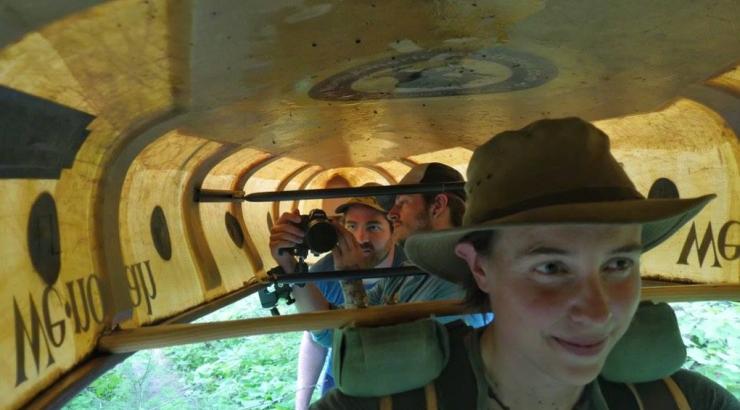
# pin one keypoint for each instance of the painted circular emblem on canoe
(234, 229)
(663, 188)
(437, 74)
(160, 233)
(43, 238)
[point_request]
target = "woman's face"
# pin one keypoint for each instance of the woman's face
(563, 295)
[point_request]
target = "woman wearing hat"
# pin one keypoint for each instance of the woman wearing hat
(551, 242)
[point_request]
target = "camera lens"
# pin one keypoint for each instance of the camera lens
(321, 236)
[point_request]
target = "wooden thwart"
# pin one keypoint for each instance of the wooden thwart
(170, 335)
(690, 293)
(131, 340)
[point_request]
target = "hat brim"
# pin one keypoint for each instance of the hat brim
(434, 251)
(344, 207)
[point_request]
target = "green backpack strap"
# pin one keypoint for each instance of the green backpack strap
(662, 394)
(455, 384)
(430, 396)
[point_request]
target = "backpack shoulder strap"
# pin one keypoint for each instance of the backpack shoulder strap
(386, 403)
(620, 395)
(430, 396)
(456, 384)
(681, 402)
(662, 394)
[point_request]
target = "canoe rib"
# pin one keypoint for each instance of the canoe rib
(130, 340)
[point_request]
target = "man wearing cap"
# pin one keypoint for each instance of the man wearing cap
(415, 213)
(366, 226)
(551, 242)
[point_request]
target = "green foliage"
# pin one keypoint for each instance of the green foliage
(141, 382)
(259, 372)
(711, 333)
(254, 373)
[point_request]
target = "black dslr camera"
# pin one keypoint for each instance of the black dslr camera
(320, 237)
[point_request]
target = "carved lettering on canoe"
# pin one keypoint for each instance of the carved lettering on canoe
(43, 322)
(719, 246)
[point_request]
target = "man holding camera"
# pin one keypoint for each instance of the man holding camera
(363, 241)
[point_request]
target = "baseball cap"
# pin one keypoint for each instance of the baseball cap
(434, 173)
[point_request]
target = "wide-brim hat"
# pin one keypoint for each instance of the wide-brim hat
(550, 172)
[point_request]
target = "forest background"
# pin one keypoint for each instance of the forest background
(259, 372)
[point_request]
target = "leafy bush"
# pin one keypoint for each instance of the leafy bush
(259, 372)
(711, 333)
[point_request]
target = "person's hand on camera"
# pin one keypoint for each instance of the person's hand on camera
(286, 234)
(349, 253)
